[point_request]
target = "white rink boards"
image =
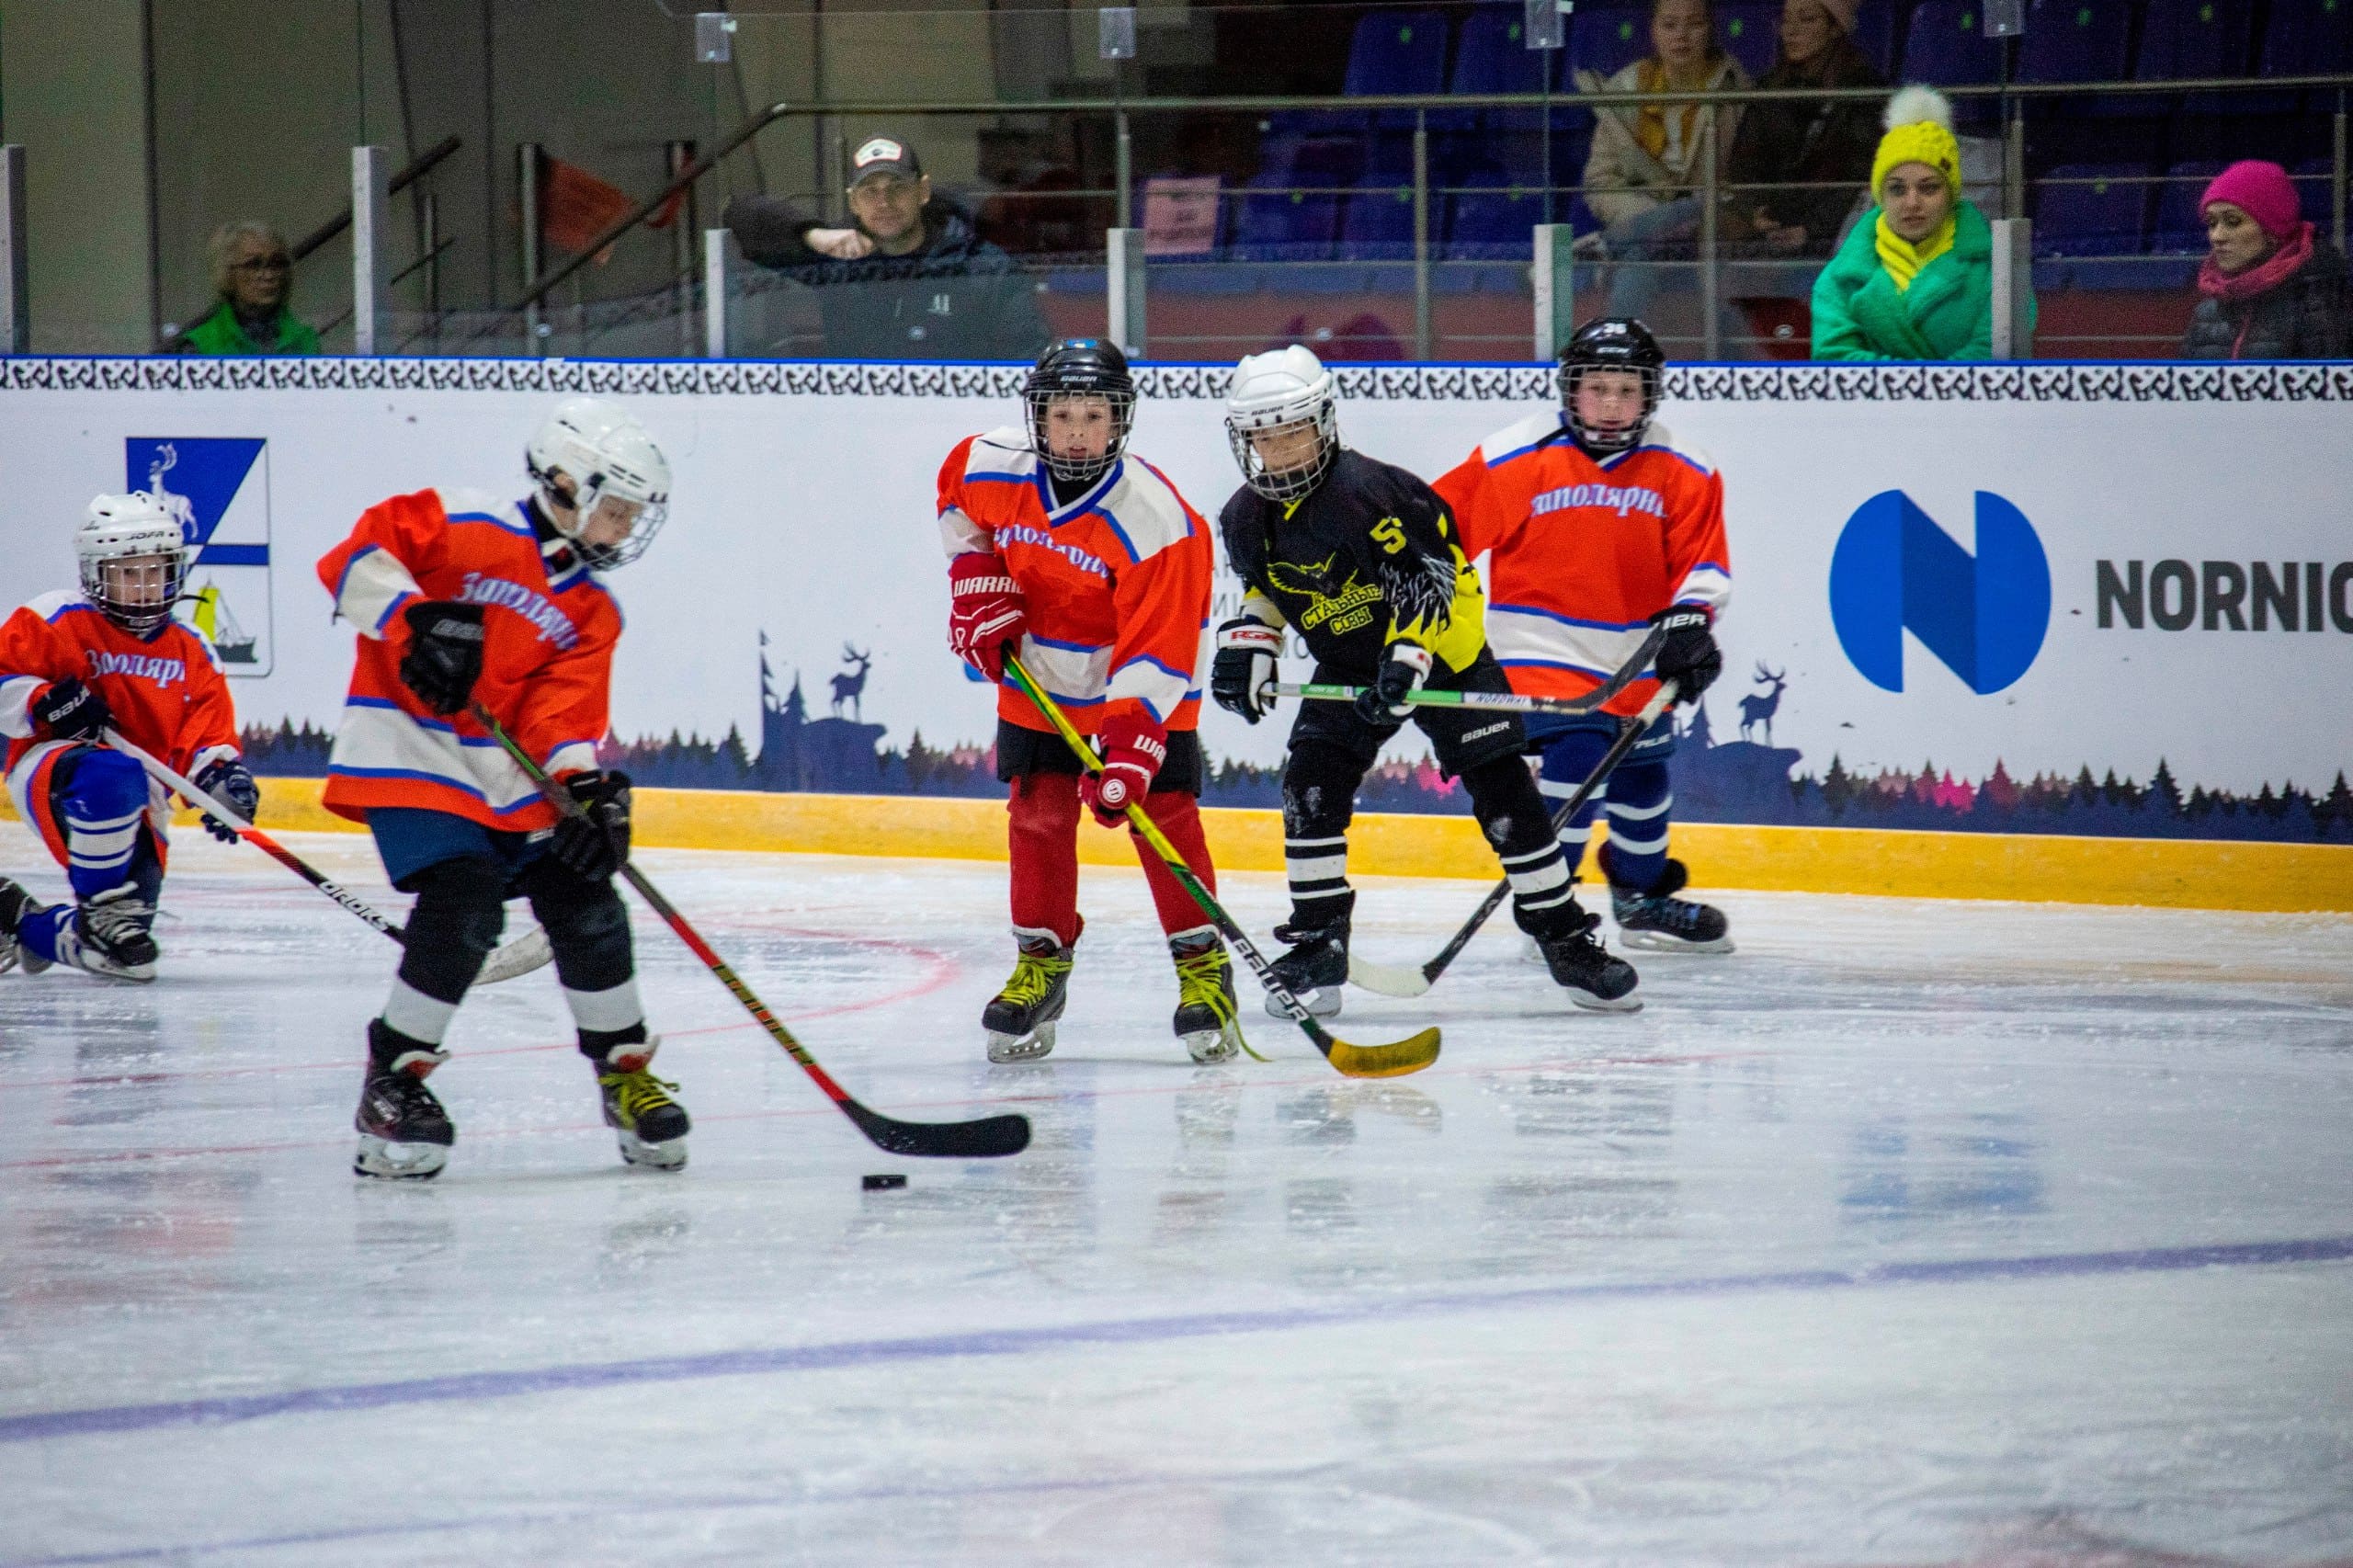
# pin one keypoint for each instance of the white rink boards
(1912, 1234)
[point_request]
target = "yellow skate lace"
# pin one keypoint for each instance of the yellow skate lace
(1033, 978)
(1198, 980)
(636, 1093)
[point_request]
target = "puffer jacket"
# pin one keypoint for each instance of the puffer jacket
(2310, 316)
(1825, 142)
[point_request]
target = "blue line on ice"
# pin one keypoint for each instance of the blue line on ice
(40, 1424)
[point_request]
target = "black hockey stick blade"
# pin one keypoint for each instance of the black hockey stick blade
(990, 1137)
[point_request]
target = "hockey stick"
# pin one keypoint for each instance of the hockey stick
(1409, 1055)
(985, 1138)
(521, 956)
(1501, 701)
(1396, 980)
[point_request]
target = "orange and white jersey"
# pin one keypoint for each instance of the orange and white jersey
(1583, 552)
(1116, 584)
(166, 692)
(549, 628)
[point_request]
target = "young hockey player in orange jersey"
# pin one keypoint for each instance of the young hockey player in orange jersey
(1600, 525)
(73, 667)
(1089, 562)
(461, 598)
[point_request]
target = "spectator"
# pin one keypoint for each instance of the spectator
(911, 280)
(1640, 179)
(2270, 288)
(253, 277)
(1821, 143)
(1915, 279)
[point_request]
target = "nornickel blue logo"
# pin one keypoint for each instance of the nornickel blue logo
(1984, 615)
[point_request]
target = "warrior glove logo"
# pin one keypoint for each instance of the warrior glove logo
(1984, 616)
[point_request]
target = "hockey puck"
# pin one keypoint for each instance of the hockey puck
(887, 1182)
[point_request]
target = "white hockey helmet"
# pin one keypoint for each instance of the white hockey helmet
(133, 556)
(621, 480)
(1282, 387)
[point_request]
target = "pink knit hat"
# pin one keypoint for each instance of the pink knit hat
(2263, 191)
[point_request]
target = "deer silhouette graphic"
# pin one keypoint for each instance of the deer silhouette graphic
(850, 686)
(183, 510)
(1758, 710)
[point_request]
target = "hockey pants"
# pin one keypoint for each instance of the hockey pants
(1042, 833)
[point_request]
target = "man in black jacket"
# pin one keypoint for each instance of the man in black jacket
(911, 280)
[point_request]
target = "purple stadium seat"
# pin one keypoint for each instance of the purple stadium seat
(2180, 228)
(2104, 217)
(1273, 223)
(2186, 39)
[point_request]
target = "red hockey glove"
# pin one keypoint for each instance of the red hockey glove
(985, 612)
(1133, 747)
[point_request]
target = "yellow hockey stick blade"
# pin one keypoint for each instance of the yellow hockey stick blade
(1408, 1055)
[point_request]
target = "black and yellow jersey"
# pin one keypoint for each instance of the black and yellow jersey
(1369, 557)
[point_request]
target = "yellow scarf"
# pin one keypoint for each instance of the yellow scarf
(1650, 123)
(1904, 259)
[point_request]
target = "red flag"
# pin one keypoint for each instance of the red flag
(575, 207)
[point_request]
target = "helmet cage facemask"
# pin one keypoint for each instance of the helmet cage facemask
(1604, 441)
(1292, 483)
(1080, 470)
(138, 618)
(581, 505)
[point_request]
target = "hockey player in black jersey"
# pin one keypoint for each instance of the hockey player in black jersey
(1364, 561)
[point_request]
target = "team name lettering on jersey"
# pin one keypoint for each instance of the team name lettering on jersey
(1025, 534)
(143, 667)
(553, 624)
(1619, 498)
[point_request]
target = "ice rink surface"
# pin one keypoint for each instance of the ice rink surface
(1914, 1233)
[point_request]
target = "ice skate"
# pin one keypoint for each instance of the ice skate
(403, 1133)
(1315, 970)
(1593, 977)
(1020, 1020)
(1205, 1018)
(108, 935)
(16, 903)
(651, 1126)
(1653, 919)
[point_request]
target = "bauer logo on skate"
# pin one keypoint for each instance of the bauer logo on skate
(1895, 570)
(553, 625)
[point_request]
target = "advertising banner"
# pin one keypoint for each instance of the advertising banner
(2094, 602)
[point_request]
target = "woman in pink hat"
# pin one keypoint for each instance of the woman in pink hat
(2270, 288)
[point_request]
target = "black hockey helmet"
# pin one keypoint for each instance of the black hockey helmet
(1613, 343)
(1080, 367)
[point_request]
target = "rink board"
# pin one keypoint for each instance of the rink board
(2164, 873)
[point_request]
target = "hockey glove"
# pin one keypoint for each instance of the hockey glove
(69, 711)
(1404, 669)
(1133, 747)
(444, 657)
(593, 844)
(1688, 657)
(985, 612)
(228, 781)
(1244, 666)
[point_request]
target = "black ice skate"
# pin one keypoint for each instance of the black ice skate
(1656, 919)
(403, 1133)
(1593, 977)
(1315, 967)
(652, 1126)
(108, 935)
(16, 904)
(1206, 1019)
(1020, 1020)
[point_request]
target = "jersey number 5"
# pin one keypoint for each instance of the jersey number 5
(1390, 532)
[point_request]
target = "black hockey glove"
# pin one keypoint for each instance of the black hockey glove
(1403, 668)
(1244, 666)
(1688, 657)
(593, 846)
(71, 711)
(228, 781)
(444, 657)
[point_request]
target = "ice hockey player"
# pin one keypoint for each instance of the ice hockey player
(74, 666)
(1089, 562)
(1363, 560)
(460, 597)
(1599, 524)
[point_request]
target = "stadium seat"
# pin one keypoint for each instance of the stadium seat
(2181, 39)
(1397, 52)
(2075, 40)
(1608, 39)
(1377, 221)
(2300, 36)
(2180, 228)
(1495, 224)
(2091, 210)
(1751, 33)
(1492, 56)
(1874, 33)
(1946, 45)
(1272, 222)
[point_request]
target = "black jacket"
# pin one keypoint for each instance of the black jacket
(1370, 557)
(2310, 316)
(958, 298)
(1828, 141)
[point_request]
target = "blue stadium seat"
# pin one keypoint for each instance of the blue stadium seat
(1492, 56)
(2075, 40)
(1947, 45)
(1272, 223)
(2185, 39)
(2180, 227)
(1397, 52)
(1751, 33)
(2104, 217)
(1493, 224)
(1377, 221)
(1874, 33)
(1608, 39)
(2307, 35)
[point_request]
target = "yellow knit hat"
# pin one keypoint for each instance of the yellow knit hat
(1920, 130)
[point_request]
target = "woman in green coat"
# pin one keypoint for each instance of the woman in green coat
(1915, 279)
